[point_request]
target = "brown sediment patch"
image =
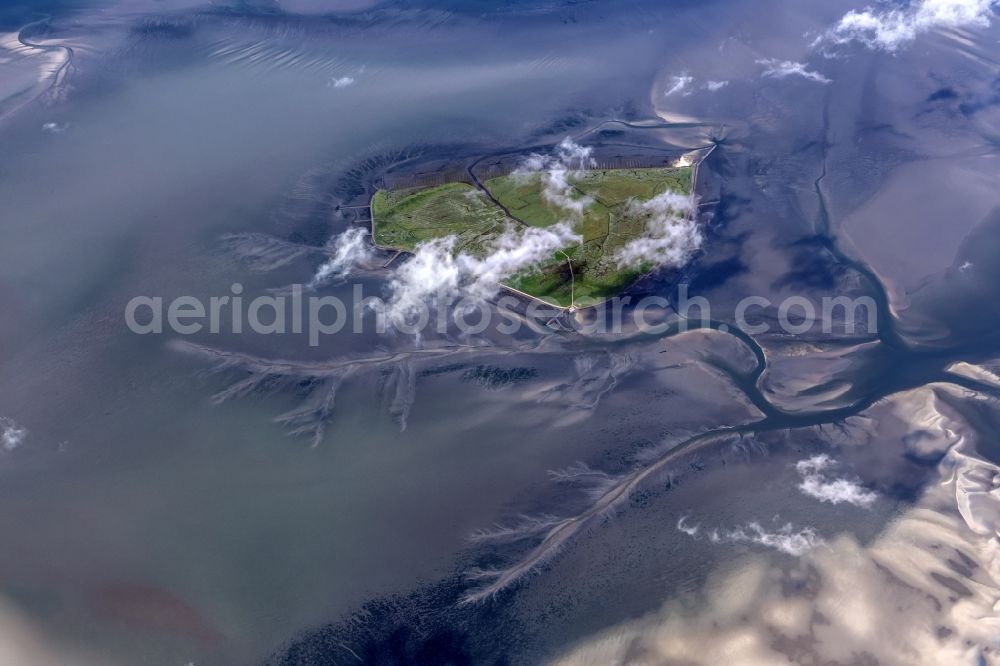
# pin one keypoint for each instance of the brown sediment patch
(150, 607)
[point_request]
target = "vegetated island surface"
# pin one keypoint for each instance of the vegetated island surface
(580, 275)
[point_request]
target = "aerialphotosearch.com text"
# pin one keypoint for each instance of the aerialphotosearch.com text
(299, 311)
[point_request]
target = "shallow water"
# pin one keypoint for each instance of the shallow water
(147, 522)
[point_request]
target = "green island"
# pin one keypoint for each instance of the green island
(580, 275)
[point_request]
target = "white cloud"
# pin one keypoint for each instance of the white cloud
(556, 170)
(435, 271)
(690, 530)
(55, 128)
(680, 84)
(837, 491)
(342, 82)
(672, 233)
(345, 251)
(889, 29)
(574, 156)
(780, 69)
(11, 435)
(712, 86)
(787, 538)
(817, 483)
